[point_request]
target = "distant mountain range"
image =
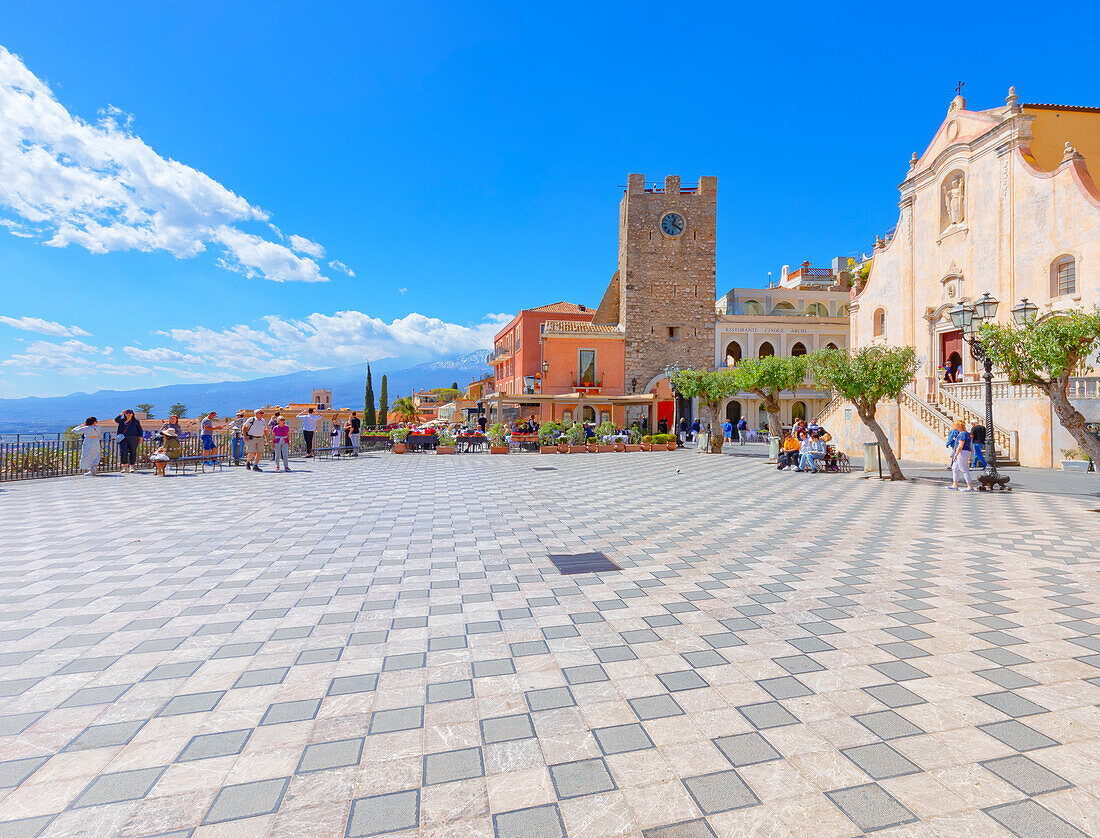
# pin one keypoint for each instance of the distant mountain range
(56, 413)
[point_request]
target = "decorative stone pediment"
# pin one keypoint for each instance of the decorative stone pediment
(952, 285)
(960, 126)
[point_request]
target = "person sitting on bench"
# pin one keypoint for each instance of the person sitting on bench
(813, 451)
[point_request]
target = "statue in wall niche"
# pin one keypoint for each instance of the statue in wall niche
(953, 196)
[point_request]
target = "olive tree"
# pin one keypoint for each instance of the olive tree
(865, 377)
(711, 388)
(1047, 353)
(767, 378)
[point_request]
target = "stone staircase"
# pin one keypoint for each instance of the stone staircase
(939, 418)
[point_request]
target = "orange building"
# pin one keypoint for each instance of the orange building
(516, 358)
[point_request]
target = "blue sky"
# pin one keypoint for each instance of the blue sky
(202, 192)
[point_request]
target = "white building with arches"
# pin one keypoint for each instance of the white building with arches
(807, 312)
(1002, 201)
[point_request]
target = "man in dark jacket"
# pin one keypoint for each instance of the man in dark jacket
(977, 442)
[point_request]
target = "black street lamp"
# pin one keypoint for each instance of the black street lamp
(969, 318)
(670, 373)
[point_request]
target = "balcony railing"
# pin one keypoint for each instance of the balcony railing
(497, 355)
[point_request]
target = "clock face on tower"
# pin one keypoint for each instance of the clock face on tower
(672, 224)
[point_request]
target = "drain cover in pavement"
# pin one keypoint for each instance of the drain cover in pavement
(583, 563)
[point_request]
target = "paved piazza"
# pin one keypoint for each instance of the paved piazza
(383, 647)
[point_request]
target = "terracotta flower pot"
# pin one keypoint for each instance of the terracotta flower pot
(619, 446)
(645, 446)
(400, 448)
(444, 449)
(577, 449)
(605, 449)
(562, 449)
(548, 449)
(498, 449)
(632, 447)
(672, 446)
(591, 447)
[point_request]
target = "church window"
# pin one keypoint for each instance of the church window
(673, 332)
(1064, 277)
(880, 323)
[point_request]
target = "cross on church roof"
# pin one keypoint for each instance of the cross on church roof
(959, 88)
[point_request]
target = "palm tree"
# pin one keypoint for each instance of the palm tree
(406, 409)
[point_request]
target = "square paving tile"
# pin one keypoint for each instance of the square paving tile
(870, 807)
(894, 695)
(550, 698)
(720, 792)
(487, 669)
(15, 771)
(620, 739)
(448, 766)
(247, 800)
(324, 755)
(786, 686)
(576, 779)
(697, 828)
(384, 814)
(261, 677)
(879, 761)
(886, 724)
(507, 728)
(685, 679)
(181, 705)
(291, 711)
(209, 745)
(1017, 735)
(1011, 704)
(105, 735)
(1026, 774)
(118, 787)
(655, 707)
(1029, 819)
(536, 822)
(587, 674)
(746, 749)
(450, 691)
(350, 684)
(400, 718)
(767, 714)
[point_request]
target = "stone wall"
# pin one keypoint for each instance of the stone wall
(666, 282)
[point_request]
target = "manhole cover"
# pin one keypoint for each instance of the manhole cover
(569, 565)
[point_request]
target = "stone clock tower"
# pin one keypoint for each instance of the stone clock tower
(667, 242)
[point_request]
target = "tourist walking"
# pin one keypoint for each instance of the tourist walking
(206, 434)
(727, 430)
(683, 429)
(255, 435)
(89, 445)
(977, 439)
(960, 459)
(280, 444)
(309, 425)
(128, 437)
(354, 426)
(695, 428)
(743, 429)
(236, 438)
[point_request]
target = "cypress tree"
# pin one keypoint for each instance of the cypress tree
(369, 418)
(383, 404)
(454, 385)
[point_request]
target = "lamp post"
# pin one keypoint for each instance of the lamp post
(969, 318)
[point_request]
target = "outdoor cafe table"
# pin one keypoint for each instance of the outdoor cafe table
(470, 442)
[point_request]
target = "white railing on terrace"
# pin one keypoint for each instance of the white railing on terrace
(1080, 387)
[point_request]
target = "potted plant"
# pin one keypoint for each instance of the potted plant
(496, 435)
(635, 440)
(603, 434)
(446, 442)
(671, 442)
(1074, 459)
(548, 436)
(399, 436)
(646, 443)
(575, 435)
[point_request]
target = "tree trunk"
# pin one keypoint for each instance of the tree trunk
(1071, 417)
(867, 416)
(717, 436)
(770, 403)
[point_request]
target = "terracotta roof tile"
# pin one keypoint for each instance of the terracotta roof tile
(579, 327)
(563, 307)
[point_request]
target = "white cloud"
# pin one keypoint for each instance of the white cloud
(43, 327)
(161, 355)
(309, 248)
(71, 357)
(402, 290)
(99, 186)
(340, 266)
(329, 340)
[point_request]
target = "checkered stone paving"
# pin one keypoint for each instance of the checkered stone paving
(384, 647)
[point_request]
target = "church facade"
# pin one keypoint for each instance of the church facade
(1002, 201)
